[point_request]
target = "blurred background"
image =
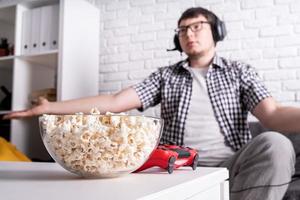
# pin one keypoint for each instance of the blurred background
(134, 36)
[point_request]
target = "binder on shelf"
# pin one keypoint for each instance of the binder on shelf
(40, 29)
(35, 30)
(26, 31)
(45, 28)
(54, 26)
(49, 27)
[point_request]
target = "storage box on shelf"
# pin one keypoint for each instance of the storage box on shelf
(55, 46)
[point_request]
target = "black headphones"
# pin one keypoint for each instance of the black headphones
(218, 30)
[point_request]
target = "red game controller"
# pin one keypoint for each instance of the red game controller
(171, 157)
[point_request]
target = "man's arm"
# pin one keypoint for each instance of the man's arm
(277, 117)
(122, 101)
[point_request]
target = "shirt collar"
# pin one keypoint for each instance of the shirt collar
(217, 62)
(189, 68)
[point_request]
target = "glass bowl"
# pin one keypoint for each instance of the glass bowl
(100, 146)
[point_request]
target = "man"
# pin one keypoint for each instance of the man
(204, 102)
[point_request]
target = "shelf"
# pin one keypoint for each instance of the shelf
(47, 59)
(4, 112)
(39, 54)
(4, 58)
(6, 62)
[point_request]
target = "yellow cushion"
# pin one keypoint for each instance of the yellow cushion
(9, 152)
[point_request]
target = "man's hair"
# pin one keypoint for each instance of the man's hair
(196, 11)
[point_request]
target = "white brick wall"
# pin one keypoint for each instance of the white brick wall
(265, 33)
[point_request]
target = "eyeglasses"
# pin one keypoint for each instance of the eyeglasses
(195, 27)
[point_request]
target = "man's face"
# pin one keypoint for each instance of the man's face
(198, 41)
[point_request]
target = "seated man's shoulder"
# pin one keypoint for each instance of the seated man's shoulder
(235, 65)
(175, 67)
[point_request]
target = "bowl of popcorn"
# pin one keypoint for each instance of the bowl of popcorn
(100, 146)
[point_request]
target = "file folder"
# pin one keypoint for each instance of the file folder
(40, 29)
(45, 28)
(35, 30)
(26, 31)
(54, 26)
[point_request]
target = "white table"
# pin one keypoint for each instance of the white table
(22, 180)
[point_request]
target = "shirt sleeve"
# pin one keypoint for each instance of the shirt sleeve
(149, 90)
(253, 88)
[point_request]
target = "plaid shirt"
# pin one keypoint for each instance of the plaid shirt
(234, 89)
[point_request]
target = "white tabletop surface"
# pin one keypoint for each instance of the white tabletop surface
(42, 181)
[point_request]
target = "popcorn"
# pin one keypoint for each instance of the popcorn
(100, 145)
(95, 111)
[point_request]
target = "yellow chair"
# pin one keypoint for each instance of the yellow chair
(9, 152)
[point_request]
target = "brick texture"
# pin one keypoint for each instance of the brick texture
(135, 34)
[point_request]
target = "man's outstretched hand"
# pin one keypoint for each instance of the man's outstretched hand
(40, 108)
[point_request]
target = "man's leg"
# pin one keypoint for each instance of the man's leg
(268, 159)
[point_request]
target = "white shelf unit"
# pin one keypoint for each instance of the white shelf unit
(71, 68)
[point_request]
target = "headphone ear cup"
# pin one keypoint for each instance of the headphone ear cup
(177, 43)
(220, 31)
